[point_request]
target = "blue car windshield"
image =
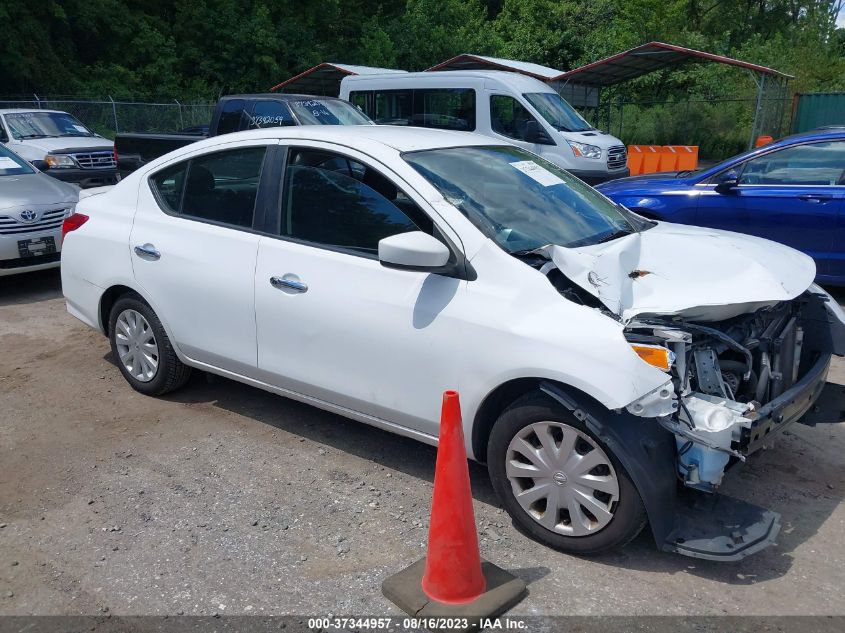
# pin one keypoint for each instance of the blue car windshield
(13, 165)
(521, 201)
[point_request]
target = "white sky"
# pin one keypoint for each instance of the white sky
(840, 19)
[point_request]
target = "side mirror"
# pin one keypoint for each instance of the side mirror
(40, 165)
(413, 251)
(535, 134)
(727, 181)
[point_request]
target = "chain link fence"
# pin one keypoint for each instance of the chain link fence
(108, 117)
(720, 127)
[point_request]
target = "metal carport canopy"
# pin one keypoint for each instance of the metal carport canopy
(324, 79)
(648, 58)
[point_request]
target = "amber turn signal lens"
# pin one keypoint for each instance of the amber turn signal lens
(655, 355)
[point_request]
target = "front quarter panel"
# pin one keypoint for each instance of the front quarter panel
(674, 200)
(521, 327)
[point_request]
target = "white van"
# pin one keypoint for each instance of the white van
(498, 104)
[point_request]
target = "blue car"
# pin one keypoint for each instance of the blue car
(790, 191)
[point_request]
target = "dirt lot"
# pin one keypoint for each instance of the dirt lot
(225, 499)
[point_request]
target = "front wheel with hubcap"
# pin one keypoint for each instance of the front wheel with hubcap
(142, 349)
(558, 482)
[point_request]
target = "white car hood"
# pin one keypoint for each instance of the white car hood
(49, 144)
(700, 274)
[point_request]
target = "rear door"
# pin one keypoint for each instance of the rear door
(790, 195)
(194, 250)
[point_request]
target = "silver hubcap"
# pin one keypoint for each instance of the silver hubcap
(562, 478)
(136, 345)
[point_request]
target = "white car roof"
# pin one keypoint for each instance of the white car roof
(402, 139)
(26, 110)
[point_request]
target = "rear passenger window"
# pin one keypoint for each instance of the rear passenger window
(168, 184)
(220, 187)
(447, 109)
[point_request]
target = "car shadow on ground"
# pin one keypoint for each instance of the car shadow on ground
(30, 287)
(417, 460)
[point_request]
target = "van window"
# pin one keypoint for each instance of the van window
(557, 112)
(508, 117)
(442, 108)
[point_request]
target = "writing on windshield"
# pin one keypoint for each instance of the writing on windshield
(521, 201)
(23, 125)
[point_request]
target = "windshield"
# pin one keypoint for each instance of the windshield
(25, 125)
(328, 112)
(557, 112)
(521, 201)
(13, 165)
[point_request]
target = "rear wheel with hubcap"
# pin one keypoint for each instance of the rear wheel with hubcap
(142, 349)
(558, 482)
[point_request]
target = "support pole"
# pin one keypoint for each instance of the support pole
(756, 127)
(114, 115)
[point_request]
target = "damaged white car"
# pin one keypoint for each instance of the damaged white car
(611, 369)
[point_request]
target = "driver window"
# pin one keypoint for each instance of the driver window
(817, 164)
(508, 117)
(333, 201)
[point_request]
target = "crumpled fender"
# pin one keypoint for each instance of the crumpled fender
(644, 448)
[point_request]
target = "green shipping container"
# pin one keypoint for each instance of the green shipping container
(813, 110)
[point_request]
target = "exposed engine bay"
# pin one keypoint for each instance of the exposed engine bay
(739, 341)
(733, 378)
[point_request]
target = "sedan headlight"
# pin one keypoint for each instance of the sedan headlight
(59, 161)
(584, 150)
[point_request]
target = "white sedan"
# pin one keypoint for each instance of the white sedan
(610, 368)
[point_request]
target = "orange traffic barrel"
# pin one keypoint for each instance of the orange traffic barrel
(763, 140)
(635, 160)
(687, 157)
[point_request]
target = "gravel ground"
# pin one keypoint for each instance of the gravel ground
(224, 499)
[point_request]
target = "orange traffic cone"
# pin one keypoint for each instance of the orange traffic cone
(453, 565)
(453, 580)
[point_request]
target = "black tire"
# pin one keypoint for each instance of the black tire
(171, 372)
(629, 516)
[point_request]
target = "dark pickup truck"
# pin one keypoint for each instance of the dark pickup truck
(235, 113)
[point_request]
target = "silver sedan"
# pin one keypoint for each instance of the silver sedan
(33, 207)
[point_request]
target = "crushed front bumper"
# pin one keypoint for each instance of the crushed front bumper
(787, 408)
(718, 527)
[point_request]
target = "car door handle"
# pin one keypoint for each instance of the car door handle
(147, 251)
(815, 197)
(288, 284)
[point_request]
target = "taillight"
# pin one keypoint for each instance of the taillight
(114, 153)
(72, 223)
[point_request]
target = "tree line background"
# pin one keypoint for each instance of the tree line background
(200, 49)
